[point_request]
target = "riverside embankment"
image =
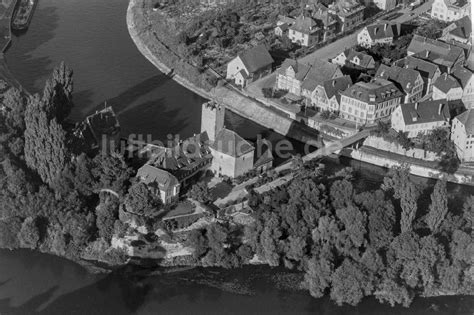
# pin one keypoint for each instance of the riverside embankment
(149, 44)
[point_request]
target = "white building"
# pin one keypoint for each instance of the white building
(408, 80)
(420, 118)
(305, 31)
(385, 5)
(249, 66)
(462, 134)
(326, 96)
(450, 10)
(466, 79)
(383, 33)
(160, 182)
(232, 155)
(447, 87)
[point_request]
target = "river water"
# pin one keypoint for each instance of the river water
(92, 38)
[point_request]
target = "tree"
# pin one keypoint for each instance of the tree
(404, 141)
(15, 105)
(341, 193)
(29, 234)
(438, 207)
(394, 293)
(57, 93)
(111, 172)
(140, 200)
(201, 193)
(106, 215)
(318, 276)
(350, 283)
(45, 142)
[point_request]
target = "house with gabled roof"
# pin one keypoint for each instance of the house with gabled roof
(350, 13)
(450, 10)
(407, 80)
(466, 80)
(445, 55)
(462, 134)
(429, 72)
(447, 87)
(161, 182)
(420, 117)
(381, 33)
(459, 31)
(301, 79)
(249, 66)
(368, 102)
(327, 21)
(354, 59)
(232, 155)
(327, 96)
(305, 31)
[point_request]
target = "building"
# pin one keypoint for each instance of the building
(305, 31)
(160, 182)
(466, 80)
(324, 19)
(327, 96)
(366, 103)
(385, 5)
(212, 119)
(382, 33)
(407, 80)
(283, 24)
(450, 10)
(249, 66)
(420, 118)
(232, 155)
(354, 59)
(301, 79)
(99, 131)
(350, 13)
(445, 55)
(462, 134)
(447, 87)
(263, 157)
(429, 71)
(459, 31)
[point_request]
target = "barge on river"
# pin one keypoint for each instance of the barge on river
(23, 14)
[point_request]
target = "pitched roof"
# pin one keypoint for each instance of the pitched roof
(463, 28)
(283, 19)
(467, 119)
(445, 83)
(425, 68)
(335, 86)
(425, 112)
(346, 8)
(404, 78)
(305, 25)
(382, 30)
(365, 59)
(256, 58)
(379, 90)
(266, 154)
(311, 75)
(150, 174)
(462, 74)
(230, 143)
(438, 52)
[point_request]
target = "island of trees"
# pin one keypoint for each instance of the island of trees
(342, 241)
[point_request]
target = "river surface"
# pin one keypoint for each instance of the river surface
(92, 38)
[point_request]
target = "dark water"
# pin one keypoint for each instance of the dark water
(92, 38)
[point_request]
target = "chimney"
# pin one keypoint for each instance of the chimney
(385, 27)
(333, 83)
(375, 30)
(427, 53)
(416, 105)
(440, 108)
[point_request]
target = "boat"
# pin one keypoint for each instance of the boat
(23, 14)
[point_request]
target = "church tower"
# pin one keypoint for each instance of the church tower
(212, 119)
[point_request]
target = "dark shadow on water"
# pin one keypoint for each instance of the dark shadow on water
(30, 306)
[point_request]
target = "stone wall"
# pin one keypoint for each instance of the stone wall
(381, 144)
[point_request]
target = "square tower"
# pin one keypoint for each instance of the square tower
(212, 119)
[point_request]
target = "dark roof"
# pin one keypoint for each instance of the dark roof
(311, 75)
(379, 89)
(382, 30)
(445, 83)
(150, 174)
(305, 25)
(467, 119)
(94, 127)
(286, 19)
(230, 143)
(335, 86)
(365, 59)
(463, 28)
(256, 58)
(404, 78)
(265, 154)
(462, 74)
(425, 68)
(425, 112)
(436, 51)
(346, 7)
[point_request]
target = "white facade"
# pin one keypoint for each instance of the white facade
(289, 82)
(340, 59)
(362, 112)
(413, 129)
(444, 11)
(365, 40)
(300, 38)
(385, 4)
(451, 95)
(463, 141)
(227, 165)
(233, 69)
(319, 99)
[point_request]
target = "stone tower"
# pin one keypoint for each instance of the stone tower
(212, 119)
